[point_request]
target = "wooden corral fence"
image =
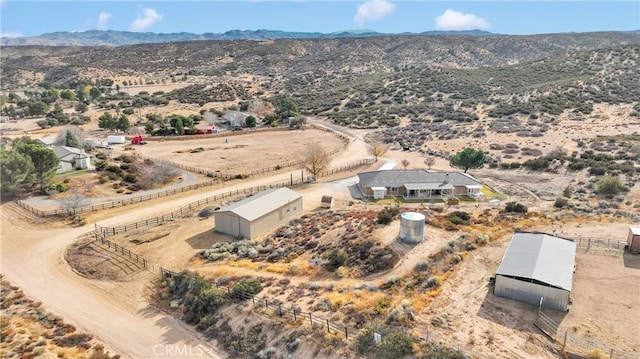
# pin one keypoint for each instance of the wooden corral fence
(102, 239)
(113, 204)
(575, 345)
(215, 174)
(189, 208)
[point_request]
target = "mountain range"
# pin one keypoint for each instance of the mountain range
(120, 38)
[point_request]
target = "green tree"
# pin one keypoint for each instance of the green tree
(123, 124)
(178, 126)
(49, 96)
(107, 121)
(95, 93)
(82, 107)
(70, 140)
(286, 108)
(149, 127)
(468, 158)
(250, 121)
(45, 162)
(82, 92)
(37, 108)
(610, 186)
(68, 95)
(177, 122)
(15, 169)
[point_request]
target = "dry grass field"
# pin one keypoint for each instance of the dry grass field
(30, 331)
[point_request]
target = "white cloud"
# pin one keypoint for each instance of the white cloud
(11, 34)
(146, 19)
(103, 20)
(455, 20)
(372, 10)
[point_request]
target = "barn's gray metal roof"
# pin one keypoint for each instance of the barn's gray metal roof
(397, 178)
(541, 257)
(635, 231)
(262, 203)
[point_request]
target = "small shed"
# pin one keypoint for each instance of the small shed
(327, 202)
(633, 241)
(537, 266)
(379, 192)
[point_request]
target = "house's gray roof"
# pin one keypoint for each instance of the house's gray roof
(542, 257)
(262, 203)
(234, 116)
(64, 151)
(635, 231)
(397, 178)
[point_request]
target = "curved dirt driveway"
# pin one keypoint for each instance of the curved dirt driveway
(32, 258)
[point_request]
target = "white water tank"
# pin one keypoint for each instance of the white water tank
(412, 227)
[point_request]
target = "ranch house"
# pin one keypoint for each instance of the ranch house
(417, 184)
(71, 159)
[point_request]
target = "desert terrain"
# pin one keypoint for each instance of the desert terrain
(549, 138)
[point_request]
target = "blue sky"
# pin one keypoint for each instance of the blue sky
(31, 18)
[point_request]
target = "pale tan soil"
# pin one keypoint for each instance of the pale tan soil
(118, 312)
(605, 297)
(242, 153)
(32, 256)
(605, 120)
(28, 330)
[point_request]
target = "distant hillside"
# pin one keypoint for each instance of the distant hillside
(120, 38)
(297, 57)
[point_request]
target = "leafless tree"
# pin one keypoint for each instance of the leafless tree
(315, 159)
(377, 148)
(210, 118)
(75, 199)
(405, 163)
(152, 174)
(429, 161)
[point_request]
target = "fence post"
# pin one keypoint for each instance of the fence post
(611, 355)
(328, 328)
(294, 313)
(564, 344)
(311, 320)
(280, 309)
(346, 333)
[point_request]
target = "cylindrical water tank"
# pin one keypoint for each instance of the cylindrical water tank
(412, 227)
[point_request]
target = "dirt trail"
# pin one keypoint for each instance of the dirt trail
(32, 259)
(117, 314)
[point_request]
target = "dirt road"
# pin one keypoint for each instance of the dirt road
(32, 258)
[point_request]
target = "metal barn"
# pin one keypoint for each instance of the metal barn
(259, 213)
(537, 266)
(633, 240)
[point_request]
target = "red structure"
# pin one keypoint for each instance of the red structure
(136, 140)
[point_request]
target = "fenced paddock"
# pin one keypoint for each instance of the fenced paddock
(576, 345)
(216, 199)
(161, 194)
